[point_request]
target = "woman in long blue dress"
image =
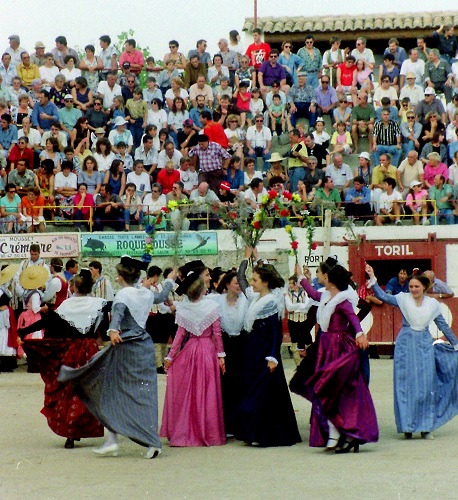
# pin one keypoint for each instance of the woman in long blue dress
(265, 415)
(343, 414)
(425, 372)
(119, 384)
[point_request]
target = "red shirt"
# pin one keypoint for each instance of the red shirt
(258, 53)
(216, 134)
(33, 210)
(136, 57)
(18, 154)
(167, 180)
(346, 74)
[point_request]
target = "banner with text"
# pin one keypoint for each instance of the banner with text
(133, 244)
(51, 245)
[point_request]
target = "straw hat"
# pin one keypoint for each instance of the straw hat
(8, 272)
(33, 277)
(275, 157)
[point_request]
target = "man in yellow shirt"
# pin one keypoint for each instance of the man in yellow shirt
(27, 71)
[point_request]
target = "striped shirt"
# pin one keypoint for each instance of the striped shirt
(386, 135)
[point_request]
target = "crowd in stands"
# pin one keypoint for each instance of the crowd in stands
(81, 140)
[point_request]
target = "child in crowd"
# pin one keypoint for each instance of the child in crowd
(126, 158)
(341, 140)
(222, 89)
(416, 201)
(118, 110)
(406, 106)
(256, 104)
(320, 135)
(277, 115)
(243, 98)
(151, 67)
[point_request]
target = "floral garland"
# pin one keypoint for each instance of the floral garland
(150, 230)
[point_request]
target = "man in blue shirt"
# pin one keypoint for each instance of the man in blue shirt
(195, 113)
(8, 135)
(357, 200)
(44, 113)
(398, 284)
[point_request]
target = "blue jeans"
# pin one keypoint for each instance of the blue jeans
(444, 213)
(130, 219)
(137, 132)
(391, 150)
(407, 147)
(312, 79)
(258, 154)
(302, 111)
(296, 174)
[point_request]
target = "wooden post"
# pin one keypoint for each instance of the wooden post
(327, 234)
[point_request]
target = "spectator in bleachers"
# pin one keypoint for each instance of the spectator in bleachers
(164, 78)
(362, 52)
(325, 97)
(83, 202)
(59, 90)
(364, 169)
(11, 211)
(48, 71)
(7, 70)
(230, 58)
(452, 108)
(70, 73)
(271, 71)
(116, 177)
(68, 116)
(313, 177)
(386, 89)
(417, 204)
(312, 62)
(8, 135)
(52, 152)
(388, 68)
(291, 63)
(254, 194)
(357, 200)
(217, 71)
(386, 139)
(176, 90)
(245, 73)
(452, 134)
(120, 134)
(167, 176)
(438, 74)
(302, 101)
(194, 68)
(213, 130)
(379, 174)
(200, 51)
(177, 57)
(61, 51)
(235, 135)
(152, 204)
(328, 197)
(205, 201)
(140, 178)
(32, 209)
(169, 153)
(22, 177)
(333, 57)
(32, 134)
(96, 117)
(341, 140)
(342, 113)
(414, 64)
(22, 111)
(133, 208)
(90, 175)
(340, 173)
(108, 90)
(137, 116)
(259, 51)
(16, 90)
(442, 194)
(57, 133)
(410, 170)
(434, 167)
(188, 175)
(108, 55)
(45, 177)
(259, 141)
(320, 135)
(446, 41)
(423, 51)
(109, 210)
(363, 76)
(317, 150)
(363, 116)
(27, 71)
(65, 186)
(412, 90)
(128, 84)
(399, 54)
(435, 145)
(20, 150)
(399, 283)
(388, 206)
(44, 113)
(133, 56)
(152, 91)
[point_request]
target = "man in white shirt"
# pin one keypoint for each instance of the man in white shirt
(108, 89)
(169, 153)
(15, 50)
(362, 52)
(32, 134)
(412, 65)
(140, 178)
(108, 55)
(259, 141)
(205, 199)
(340, 173)
(388, 206)
(412, 90)
(254, 194)
(188, 175)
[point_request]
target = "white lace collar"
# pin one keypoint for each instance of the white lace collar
(82, 312)
(233, 316)
(418, 317)
(328, 305)
(138, 300)
(260, 308)
(196, 317)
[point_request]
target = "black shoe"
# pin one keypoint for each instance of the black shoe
(348, 446)
(161, 370)
(69, 444)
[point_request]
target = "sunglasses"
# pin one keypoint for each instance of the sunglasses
(259, 121)
(12, 191)
(155, 190)
(97, 104)
(326, 82)
(287, 46)
(130, 81)
(309, 42)
(273, 57)
(411, 117)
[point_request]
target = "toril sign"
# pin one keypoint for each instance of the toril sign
(390, 250)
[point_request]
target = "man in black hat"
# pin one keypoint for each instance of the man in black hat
(213, 161)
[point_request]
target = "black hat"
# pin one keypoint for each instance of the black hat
(136, 264)
(190, 272)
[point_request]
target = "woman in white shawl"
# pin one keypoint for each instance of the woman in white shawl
(425, 372)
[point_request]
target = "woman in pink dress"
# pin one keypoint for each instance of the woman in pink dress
(193, 407)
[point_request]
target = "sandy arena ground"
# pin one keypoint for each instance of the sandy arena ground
(34, 463)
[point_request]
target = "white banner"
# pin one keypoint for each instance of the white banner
(52, 245)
